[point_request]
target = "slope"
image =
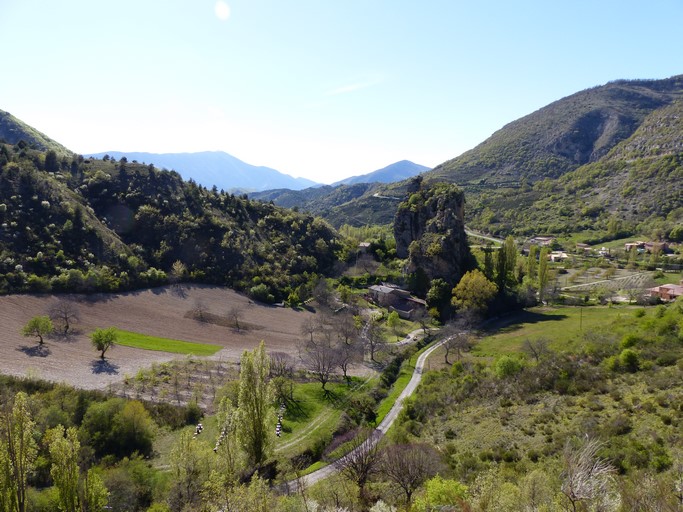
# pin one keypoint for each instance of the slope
(13, 130)
(104, 225)
(521, 180)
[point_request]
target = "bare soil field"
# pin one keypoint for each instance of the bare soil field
(163, 312)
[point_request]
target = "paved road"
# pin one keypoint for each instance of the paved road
(382, 428)
(476, 234)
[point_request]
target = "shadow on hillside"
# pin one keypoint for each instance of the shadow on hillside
(516, 320)
(99, 366)
(35, 350)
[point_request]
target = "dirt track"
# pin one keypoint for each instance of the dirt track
(158, 312)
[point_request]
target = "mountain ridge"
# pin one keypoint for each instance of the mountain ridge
(398, 171)
(537, 173)
(209, 168)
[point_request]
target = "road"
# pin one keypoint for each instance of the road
(381, 429)
(475, 234)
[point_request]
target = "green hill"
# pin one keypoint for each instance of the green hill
(13, 131)
(604, 157)
(69, 223)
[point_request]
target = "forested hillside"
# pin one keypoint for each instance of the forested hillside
(69, 223)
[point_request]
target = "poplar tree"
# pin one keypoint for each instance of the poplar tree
(543, 272)
(19, 452)
(531, 262)
(255, 418)
(95, 494)
(64, 447)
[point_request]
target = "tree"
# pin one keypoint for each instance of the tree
(189, 463)
(394, 323)
(543, 273)
(439, 297)
(103, 339)
(234, 314)
(200, 310)
(323, 293)
(309, 327)
(64, 312)
(19, 451)
(230, 456)
(51, 161)
(458, 341)
(345, 325)
(362, 461)
(255, 418)
(281, 364)
(64, 449)
(348, 353)
(488, 262)
(320, 357)
(94, 494)
(133, 428)
(38, 326)
(586, 476)
(372, 338)
(532, 263)
(505, 264)
(409, 466)
(441, 494)
(474, 292)
(178, 271)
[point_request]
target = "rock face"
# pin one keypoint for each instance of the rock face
(429, 229)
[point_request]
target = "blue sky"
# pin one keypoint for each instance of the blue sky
(317, 88)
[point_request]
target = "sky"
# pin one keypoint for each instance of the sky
(321, 89)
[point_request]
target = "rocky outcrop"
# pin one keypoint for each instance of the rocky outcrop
(429, 229)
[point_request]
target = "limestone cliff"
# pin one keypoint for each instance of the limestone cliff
(430, 231)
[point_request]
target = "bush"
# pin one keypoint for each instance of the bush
(629, 360)
(507, 366)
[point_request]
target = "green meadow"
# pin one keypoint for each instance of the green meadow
(146, 342)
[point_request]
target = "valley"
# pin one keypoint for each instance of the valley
(531, 285)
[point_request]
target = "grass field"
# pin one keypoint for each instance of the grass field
(143, 341)
(562, 325)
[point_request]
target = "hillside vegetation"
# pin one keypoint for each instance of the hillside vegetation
(603, 161)
(69, 223)
(506, 415)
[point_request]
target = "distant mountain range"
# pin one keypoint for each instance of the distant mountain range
(395, 172)
(229, 173)
(217, 168)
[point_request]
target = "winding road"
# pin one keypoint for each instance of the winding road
(381, 429)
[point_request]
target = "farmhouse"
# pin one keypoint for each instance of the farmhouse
(646, 246)
(555, 256)
(386, 295)
(396, 299)
(667, 291)
(542, 241)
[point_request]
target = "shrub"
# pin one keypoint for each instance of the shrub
(629, 360)
(507, 366)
